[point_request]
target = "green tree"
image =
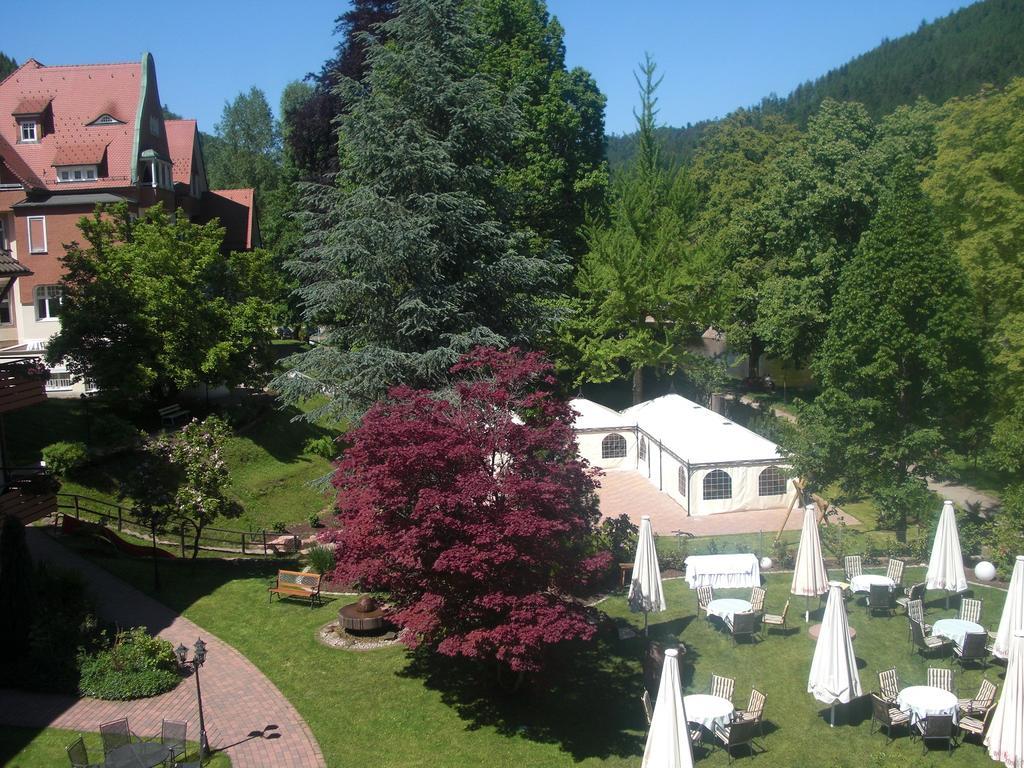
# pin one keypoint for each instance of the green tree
(413, 256)
(7, 65)
(781, 250)
(154, 302)
(555, 168)
(900, 365)
(247, 152)
(636, 305)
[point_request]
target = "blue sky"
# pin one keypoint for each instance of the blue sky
(716, 55)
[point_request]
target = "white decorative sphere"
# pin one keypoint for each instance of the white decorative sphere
(984, 571)
(766, 563)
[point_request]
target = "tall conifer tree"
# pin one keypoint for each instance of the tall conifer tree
(412, 258)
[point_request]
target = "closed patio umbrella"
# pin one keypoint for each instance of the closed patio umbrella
(946, 565)
(834, 678)
(810, 578)
(1005, 738)
(1012, 619)
(668, 740)
(645, 589)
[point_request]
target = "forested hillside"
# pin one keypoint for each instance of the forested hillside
(952, 56)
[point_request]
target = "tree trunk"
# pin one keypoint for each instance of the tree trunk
(754, 352)
(638, 384)
(195, 542)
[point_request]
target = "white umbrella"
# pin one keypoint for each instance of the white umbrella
(668, 740)
(1005, 738)
(834, 678)
(810, 578)
(645, 590)
(1012, 619)
(946, 565)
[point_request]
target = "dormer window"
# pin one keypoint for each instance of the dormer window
(28, 131)
(106, 119)
(72, 173)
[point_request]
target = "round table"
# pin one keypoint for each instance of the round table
(863, 582)
(141, 754)
(815, 629)
(705, 710)
(920, 701)
(725, 607)
(955, 629)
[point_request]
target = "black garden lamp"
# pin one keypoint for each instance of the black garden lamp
(197, 660)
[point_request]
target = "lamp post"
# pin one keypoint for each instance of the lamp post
(198, 657)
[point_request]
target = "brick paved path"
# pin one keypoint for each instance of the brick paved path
(628, 492)
(239, 702)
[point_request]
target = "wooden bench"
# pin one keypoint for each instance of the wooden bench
(299, 584)
(171, 413)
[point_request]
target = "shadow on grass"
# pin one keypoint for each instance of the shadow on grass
(588, 702)
(282, 434)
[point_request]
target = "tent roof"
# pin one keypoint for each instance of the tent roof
(596, 416)
(699, 435)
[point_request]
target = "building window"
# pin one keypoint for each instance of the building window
(3, 235)
(37, 234)
(106, 120)
(77, 173)
(5, 311)
(717, 485)
(154, 125)
(771, 482)
(613, 447)
(59, 379)
(643, 449)
(29, 132)
(48, 302)
(682, 481)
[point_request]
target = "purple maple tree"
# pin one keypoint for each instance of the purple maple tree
(473, 510)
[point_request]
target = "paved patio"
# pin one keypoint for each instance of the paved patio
(630, 493)
(239, 702)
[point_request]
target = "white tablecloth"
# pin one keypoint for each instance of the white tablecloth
(955, 629)
(921, 701)
(706, 710)
(725, 607)
(863, 582)
(723, 571)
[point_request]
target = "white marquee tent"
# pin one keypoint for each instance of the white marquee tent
(704, 461)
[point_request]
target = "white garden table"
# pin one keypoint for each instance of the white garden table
(706, 710)
(864, 582)
(921, 701)
(723, 571)
(725, 607)
(956, 629)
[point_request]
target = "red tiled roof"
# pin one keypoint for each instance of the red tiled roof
(12, 160)
(32, 105)
(236, 210)
(78, 94)
(79, 154)
(181, 141)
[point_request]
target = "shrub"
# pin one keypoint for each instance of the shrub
(322, 446)
(113, 431)
(136, 666)
(62, 457)
(279, 526)
(782, 554)
(618, 536)
(321, 559)
(314, 520)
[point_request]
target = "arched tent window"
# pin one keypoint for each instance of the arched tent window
(643, 449)
(613, 446)
(682, 480)
(717, 485)
(771, 482)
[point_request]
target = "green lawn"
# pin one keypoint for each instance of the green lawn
(586, 712)
(44, 748)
